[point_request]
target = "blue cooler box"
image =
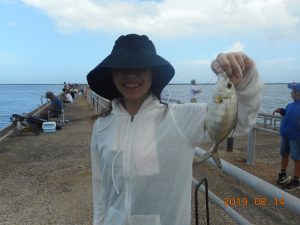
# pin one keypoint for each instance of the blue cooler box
(49, 127)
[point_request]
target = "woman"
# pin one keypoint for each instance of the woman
(142, 149)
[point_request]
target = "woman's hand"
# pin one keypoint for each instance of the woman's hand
(235, 64)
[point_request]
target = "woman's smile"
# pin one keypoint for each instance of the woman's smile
(133, 84)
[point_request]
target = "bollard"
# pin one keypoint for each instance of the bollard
(230, 144)
(251, 147)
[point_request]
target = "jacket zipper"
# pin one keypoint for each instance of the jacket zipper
(128, 164)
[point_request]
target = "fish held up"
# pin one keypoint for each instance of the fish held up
(222, 115)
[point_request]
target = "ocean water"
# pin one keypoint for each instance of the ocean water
(275, 95)
(19, 99)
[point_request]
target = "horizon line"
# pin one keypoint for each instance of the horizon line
(167, 84)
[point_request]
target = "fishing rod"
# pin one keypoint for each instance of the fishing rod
(204, 85)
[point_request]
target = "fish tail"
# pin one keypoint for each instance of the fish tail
(211, 153)
(207, 154)
(217, 159)
(204, 157)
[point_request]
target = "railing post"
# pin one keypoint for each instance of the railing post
(251, 147)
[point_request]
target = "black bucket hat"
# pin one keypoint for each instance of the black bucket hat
(130, 51)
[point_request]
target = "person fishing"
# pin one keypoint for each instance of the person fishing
(290, 139)
(142, 148)
(54, 109)
(194, 91)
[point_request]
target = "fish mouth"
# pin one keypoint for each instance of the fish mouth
(218, 99)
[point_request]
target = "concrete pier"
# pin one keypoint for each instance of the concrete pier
(46, 179)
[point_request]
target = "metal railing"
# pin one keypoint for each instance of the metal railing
(98, 103)
(268, 121)
(171, 100)
(262, 187)
(220, 203)
(270, 124)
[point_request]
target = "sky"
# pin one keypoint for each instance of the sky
(56, 41)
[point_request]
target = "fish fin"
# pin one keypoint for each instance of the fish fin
(231, 134)
(234, 126)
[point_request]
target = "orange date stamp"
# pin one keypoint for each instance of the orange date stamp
(259, 201)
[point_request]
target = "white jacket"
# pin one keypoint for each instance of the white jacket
(142, 165)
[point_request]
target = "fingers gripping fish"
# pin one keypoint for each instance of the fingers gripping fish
(222, 114)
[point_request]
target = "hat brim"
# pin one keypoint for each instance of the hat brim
(100, 78)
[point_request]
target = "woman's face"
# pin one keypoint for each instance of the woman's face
(133, 84)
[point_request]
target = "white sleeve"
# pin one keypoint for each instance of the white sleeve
(249, 94)
(193, 88)
(98, 201)
(189, 119)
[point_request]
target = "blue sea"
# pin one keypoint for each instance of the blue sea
(19, 99)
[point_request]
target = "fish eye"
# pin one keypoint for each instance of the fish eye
(229, 85)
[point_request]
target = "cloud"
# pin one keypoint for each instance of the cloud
(236, 47)
(176, 18)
